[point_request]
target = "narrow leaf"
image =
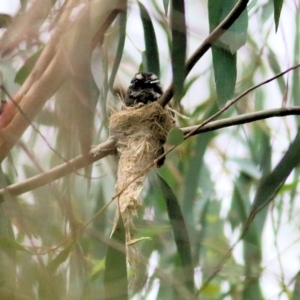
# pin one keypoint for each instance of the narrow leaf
(59, 259)
(25, 70)
(234, 37)
(295, 91)
(175, 137)
(277, 11)
(6, 243)
(270, 184)
(224, 51)
(152, 57)
(115, 274)
(274, 64)
(118, 57)
(166, 6)
(178, 51)
(224, 64)
(296, 294)
(179, 230)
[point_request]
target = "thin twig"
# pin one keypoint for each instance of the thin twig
(235, 100)
(242, 119)
(103, 150)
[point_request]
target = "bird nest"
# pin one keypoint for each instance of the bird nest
(140, 132)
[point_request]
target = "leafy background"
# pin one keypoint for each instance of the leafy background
(222, 213)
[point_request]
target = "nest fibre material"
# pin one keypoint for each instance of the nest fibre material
(140, 132)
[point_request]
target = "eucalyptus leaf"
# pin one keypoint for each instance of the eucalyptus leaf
(178, 51)
(224, 63)
(166, 6)
(25, 70)
(59, 259)
(115, 273)
(271, 183)
(179, 230)
(296, 293)
(120, 49)
(224, 51)
(277, 12)
(6, 243)
(175, 137)
(151, 53)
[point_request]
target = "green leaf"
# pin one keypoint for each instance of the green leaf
(178, 51)
(194, 179)
(6, 243)
(224, 51)
(213, 242)
(270, 184)
(59, 259)
(277, 11)
(166, 6)
(152, 57)
(236, 36)
(296, 294)
(277, 69)
(189, 82)
(98, 267)
(240, 200)
(295, 76)
(115, 274)
(5, 20)
(266, 192)
(179, 230)
(225, 72)
(251, 4)
(118, 57)
(267, 11)
(25, 70)
(175, 137)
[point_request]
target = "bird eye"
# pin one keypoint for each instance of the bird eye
(153, 77)
(139, 76)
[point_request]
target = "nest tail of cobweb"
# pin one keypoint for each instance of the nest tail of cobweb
(140, 132)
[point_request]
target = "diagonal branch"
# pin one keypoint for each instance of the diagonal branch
(103, 150)
(242, 119)
(206, 45)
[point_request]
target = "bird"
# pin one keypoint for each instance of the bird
(144, 87)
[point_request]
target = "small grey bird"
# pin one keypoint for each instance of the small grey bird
(144, 88)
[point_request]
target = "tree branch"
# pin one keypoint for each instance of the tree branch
(206, 45)
(103, 150)
(108, 148)
(242, 119)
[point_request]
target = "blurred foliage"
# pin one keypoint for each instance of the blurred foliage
(220, 217)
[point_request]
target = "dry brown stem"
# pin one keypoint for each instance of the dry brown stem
(54, 65)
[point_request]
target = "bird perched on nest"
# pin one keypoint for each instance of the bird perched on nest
(140, 130)
(145, 88)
